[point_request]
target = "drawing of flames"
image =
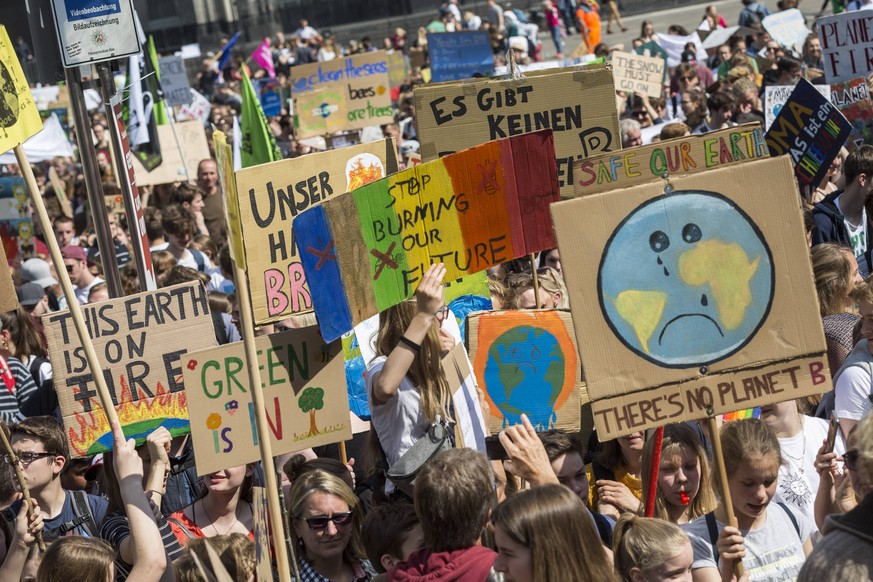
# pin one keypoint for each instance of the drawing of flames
(89, 433)
(363, 169)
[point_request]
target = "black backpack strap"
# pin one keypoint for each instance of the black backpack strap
(712, 526)
(35, 364)
(82, 509)
(791, 516)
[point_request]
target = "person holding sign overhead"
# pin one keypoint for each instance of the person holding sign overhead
(407, 390)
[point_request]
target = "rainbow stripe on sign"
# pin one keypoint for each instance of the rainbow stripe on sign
(366, 251)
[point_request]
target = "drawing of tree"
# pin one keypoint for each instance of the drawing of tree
(311, 400)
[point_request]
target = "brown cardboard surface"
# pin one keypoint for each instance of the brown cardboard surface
(681, 156)
(141, 340)
(321, 111)
(8, 298)
(294, 365)
(271, 195)
(365, 77)
(577, 104)
(527, 362)
(192, 139)
(664, 306)
(261, 530)
(638, 73)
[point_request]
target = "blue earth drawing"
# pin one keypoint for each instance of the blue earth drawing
(524, 374)
(686, 279)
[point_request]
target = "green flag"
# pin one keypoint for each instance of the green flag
(154, 82)
(258, 144)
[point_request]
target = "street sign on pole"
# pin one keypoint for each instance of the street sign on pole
(91, 31)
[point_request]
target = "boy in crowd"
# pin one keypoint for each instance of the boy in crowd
(391, 533)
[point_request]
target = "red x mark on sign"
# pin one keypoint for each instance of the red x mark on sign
(384, 259)
(323, 256)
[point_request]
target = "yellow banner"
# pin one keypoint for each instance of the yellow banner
(19, 118)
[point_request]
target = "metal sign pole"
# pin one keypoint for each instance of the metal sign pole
(93, 182)
(126, 179)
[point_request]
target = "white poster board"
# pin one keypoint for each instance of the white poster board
(92, 31)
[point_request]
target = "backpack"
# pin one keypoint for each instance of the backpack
(84, 518)
(199, 259)
(35, 363)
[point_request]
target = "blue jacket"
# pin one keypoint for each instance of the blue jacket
(830, 227)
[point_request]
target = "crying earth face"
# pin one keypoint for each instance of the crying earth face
(686, 279)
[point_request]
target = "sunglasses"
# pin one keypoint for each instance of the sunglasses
(69, 268)
(850, 458)
(687, 79)
(319, 522)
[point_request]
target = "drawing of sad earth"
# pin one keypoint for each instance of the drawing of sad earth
(686, 279)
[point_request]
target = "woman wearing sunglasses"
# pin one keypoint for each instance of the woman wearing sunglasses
(326, 530)
(839, 492)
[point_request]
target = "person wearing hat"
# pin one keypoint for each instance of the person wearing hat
(76, 261)
(39, 272)
(33, 300)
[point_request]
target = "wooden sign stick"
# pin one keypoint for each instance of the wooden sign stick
(19, 474)
(273, 510)
(536, 280)
(64, 279)
(718, 458)
(342, 451)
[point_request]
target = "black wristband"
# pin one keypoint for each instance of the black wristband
(409, 343)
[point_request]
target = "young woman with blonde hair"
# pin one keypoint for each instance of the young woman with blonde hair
(651, 550)
(553, 291)
(836, 273)
(684, 488)
(542, 534)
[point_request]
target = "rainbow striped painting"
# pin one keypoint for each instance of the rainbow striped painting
(366, 251)
(742, 414)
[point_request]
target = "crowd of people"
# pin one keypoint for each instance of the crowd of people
(546, 506)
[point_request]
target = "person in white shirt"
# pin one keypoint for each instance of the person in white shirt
(76, 262)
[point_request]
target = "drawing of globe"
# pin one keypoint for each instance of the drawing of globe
(524, 374)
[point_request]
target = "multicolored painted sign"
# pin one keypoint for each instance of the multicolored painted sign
(19, 117)
(526, 362)
(304, 398)
(141, 340)
(852, 98)
(16, 219)
(364, 252)
(271, 195)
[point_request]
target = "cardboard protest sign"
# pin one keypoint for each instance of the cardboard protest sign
(19, 117)
(683, 156)
(462, 384)
(692, 297)
(526, 362)
(638, 74)
(141, 340)
(16, 219)
(198, 110)
(271, 195)
(398, 68)
(365, 80)
(460, 55)
(8, 298)
(775, 97)
(852, 98)
(811, 130)
(320, 111)
(174, 81)
(846, 44)
(367, 251)
(304, 397)
(270, 96)
(788, 28)
(577, 105)
(192, 139)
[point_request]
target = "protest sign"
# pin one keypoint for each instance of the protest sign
(775, 97)
(174, 81)
(304, 397)
(141, 342)
(271, 195)
(846, 44)
(321, 111)
(270, 96)
(460, 55)
(198, 110)
(788, 28)
(16, 219)
(367, 251)
(398, 69)
(687, 155)
(852, 98)
(192, 148)
(526, 362)
(365, 80)
(462, 385)
(355, 383)
(638, 74)
(648, 267)
(90, 31)
(8, 298)
(467, 295)
(544, 65)
(811, 130)
(674, 47)
(19, 117)
(577, 105)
